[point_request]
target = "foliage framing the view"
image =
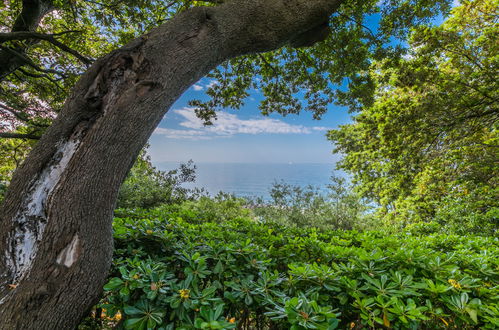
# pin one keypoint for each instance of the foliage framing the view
(57, 47)
(428, 146)
(71, 35)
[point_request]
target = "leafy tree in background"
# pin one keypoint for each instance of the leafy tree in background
(56, 242)
(428, 145)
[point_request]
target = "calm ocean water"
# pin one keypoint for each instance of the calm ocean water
(249, 180)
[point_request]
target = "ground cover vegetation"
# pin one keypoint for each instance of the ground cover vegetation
(172, 270)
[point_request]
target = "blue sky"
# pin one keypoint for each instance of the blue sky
(243, 136)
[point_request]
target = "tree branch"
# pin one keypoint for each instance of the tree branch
(29, 62)
(32, 13)
(18, 114)
(30, 136)
(373, 35)
(23, 35)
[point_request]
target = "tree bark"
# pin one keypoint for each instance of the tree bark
(56, 238)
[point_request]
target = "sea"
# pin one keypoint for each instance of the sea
(254, 179)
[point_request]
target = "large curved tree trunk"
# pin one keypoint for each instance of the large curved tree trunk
(56, 238)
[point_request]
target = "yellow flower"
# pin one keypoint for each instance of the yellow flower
(352, 325)
(136, 276)
(232, 320)
(149, 232)
(184, 293)
(454, 283)
(116, 316)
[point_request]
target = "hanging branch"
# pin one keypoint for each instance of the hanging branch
(23, 35)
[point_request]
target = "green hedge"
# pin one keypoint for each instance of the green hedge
(171, 274)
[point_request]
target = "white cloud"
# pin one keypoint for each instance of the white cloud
(230, 124)
(321, 128)
(197, 87)
(181, 134)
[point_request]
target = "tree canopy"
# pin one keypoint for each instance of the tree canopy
(430, 138)
(44, 56)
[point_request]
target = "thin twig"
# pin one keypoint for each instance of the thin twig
(18, 114)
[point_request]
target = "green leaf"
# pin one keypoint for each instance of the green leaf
(132, 310)
(473, 314)
(218, 311)
(136, 323)
(113, 283)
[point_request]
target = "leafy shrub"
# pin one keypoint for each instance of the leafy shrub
(171, 274)
(220, 208)
(147, 187)
(471, 212)
(338, 208)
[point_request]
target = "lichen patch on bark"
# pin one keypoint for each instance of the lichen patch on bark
(31, 222)
(69, 255)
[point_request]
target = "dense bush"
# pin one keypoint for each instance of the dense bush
(220, 208)
(337, 207)
(147, 187)
(172, 274)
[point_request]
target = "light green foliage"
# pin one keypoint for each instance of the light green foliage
(147, 187)
(338, 208)
(220, 208)
(428, 144)
(12, 155)
(180, 275)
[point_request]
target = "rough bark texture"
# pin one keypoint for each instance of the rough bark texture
(56, 238)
